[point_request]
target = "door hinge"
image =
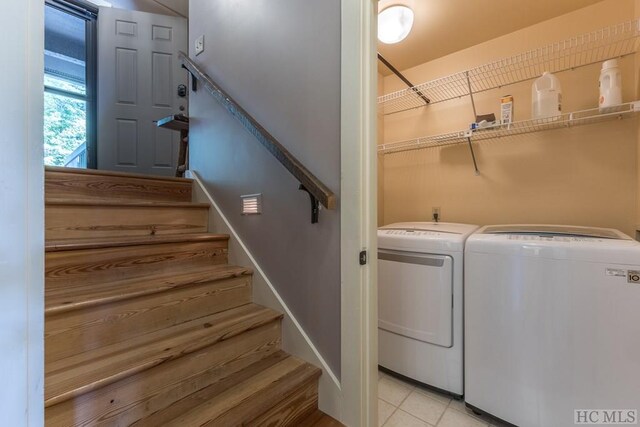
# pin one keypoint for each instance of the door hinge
(363, 257)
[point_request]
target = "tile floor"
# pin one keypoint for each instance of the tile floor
(405, 405)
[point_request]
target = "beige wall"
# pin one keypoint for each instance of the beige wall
(637, 81)
(585, 176)
(380, 157)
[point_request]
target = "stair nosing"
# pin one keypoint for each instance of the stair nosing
(208, 275)
(97, 172)
(58, 245)
(109, 203)
(143, 364)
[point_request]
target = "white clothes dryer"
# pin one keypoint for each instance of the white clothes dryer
(420, 302)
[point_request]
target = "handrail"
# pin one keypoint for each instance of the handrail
(316, 189)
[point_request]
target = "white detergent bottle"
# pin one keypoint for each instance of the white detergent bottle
(610, 86)
(546, 97)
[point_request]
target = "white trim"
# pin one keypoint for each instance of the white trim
(21, 221)
(358, 210)
(295, 340)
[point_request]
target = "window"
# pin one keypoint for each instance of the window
(69, 84)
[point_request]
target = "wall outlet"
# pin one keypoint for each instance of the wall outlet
(199, 45)
(435, 214)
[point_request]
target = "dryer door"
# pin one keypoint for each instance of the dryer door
(415, 296)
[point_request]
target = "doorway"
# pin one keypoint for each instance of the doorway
(70, 84)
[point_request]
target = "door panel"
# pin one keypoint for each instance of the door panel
(415, 296)
(138, 76)
(126, 66)
(126, 142)
(162, 89)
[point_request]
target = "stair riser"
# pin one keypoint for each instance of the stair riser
(138, 396)
(81, 330)
(100, 187)
(252, 409)
(84, 221)
(69, 268)
(297, 406)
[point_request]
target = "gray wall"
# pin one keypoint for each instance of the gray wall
(280, 59)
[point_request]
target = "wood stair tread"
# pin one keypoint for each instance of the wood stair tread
(54, 245)
(78, 374)
(272, 380)
(123, 203)
(97, 172)
(319, 419)
(67, 298)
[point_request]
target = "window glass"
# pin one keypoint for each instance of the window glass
(65, 131)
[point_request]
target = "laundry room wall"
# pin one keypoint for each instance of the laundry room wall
(380, 136)
(637, 82)
(587, 175)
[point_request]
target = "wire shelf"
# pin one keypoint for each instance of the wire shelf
(601, 45)
(577, 118)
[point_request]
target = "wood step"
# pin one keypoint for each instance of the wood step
(93, 184)
(246, 401)
(56, 245)
(65, 219)
(319, 419)
(75, 375)
(166, 302)
(64, 298)
(78, 263)
(140, 395)
(297, 405)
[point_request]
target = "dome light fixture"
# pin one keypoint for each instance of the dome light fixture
(394, 24)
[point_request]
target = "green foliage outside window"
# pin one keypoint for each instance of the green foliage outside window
(64, 122)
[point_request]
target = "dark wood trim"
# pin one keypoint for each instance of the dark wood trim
(293, 165)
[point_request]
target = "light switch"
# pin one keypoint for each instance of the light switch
(199, 45)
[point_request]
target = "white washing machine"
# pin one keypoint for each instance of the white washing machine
(552, 318)
(420, 301)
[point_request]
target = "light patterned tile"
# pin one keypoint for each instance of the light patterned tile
(458, 405)
(423, 407)
(399, 381)
(384, 411)
(453, 418)
(441, 397)
(402, 419)
(392, 391)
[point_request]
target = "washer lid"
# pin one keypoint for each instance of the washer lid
(560, 242)
(555, 230)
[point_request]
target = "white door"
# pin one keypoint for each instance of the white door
(138, 78)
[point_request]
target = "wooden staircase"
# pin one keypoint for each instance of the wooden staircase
(146, 324)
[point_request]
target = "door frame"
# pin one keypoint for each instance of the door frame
(358, 210)
(21, 223)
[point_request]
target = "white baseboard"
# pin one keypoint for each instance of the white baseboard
(294, 339)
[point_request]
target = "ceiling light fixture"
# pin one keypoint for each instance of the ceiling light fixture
(394, 24)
